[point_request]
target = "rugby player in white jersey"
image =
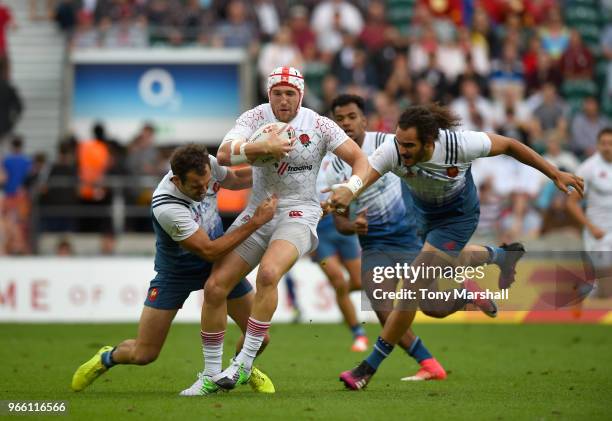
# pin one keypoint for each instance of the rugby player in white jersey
(597, 220)
(292, 233)
(189, 237)
(434, 161)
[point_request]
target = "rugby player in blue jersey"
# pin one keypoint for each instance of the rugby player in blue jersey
(189, 238)
(434, 161)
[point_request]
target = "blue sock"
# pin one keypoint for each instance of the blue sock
(497, 255)
(358, 330)
(418, 351)
(381, 350)
(107, 358)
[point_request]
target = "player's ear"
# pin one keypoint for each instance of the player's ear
(176, 180)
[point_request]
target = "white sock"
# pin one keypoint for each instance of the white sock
(256, 331)
(212, 348)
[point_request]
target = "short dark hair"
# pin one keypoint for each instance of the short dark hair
(428, 120)
(346, 99)
(190, 157)
(603, 132)
(17, 142)
(99, 131)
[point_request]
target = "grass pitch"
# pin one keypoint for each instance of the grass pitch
(501, 372)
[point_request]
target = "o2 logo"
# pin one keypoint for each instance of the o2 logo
(157, 89)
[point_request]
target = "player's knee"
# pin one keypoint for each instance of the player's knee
(268, 276)
(214, 291)
(340, 286)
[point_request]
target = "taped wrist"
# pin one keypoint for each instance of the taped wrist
(240, 157)
(354, 184)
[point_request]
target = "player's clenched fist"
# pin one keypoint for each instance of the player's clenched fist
(265, 211)
(278, 146)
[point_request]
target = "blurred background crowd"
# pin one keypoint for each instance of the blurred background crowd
(536, 70)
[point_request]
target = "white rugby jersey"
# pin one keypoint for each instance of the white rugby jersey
(383, 199)
(293, 179)
(597, 174)
(180, 216)
(442, 178)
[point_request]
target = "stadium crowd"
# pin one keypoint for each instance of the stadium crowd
(536, 70)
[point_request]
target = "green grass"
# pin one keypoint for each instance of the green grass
(500, 372)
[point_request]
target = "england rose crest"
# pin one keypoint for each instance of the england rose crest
(304, 139)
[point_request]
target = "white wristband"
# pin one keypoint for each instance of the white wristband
(354, 184)
(239, 158)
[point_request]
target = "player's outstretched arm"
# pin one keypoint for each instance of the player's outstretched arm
(520, 152)
(344, 193)
(212, 250)
(238, 179)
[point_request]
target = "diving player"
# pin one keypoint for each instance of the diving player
(434, 161)
(385, 223)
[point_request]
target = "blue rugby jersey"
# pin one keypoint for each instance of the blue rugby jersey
(390, 223)
(176, 217)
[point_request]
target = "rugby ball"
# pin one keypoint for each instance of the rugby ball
(263, 133)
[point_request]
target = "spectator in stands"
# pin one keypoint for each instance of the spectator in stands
(143, 162)
(375, 32)
(280, 52)
(512, 114)
(585, 127)
(128, 32)
(302, 34)
(424, 92)
(452, 55)
(330, 18)
(507, 72)
(577, 62)
(386, 113)
(237, 30)
(6, 21)
(475, 111)
(66, 16)
(268, 19)
(556, 155)
(17, 167)
(86, 35)
(351, 66)
(476, 54)
(94, 161)
(436, 78)
(554, 35)
(543, 71)
(64, 248)
(11, 106)
(470, 72)
(551, 113)
(606, 51)
(59, 189)
(483, 34)
(420, 50)
(108, 244)
(399, 82)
